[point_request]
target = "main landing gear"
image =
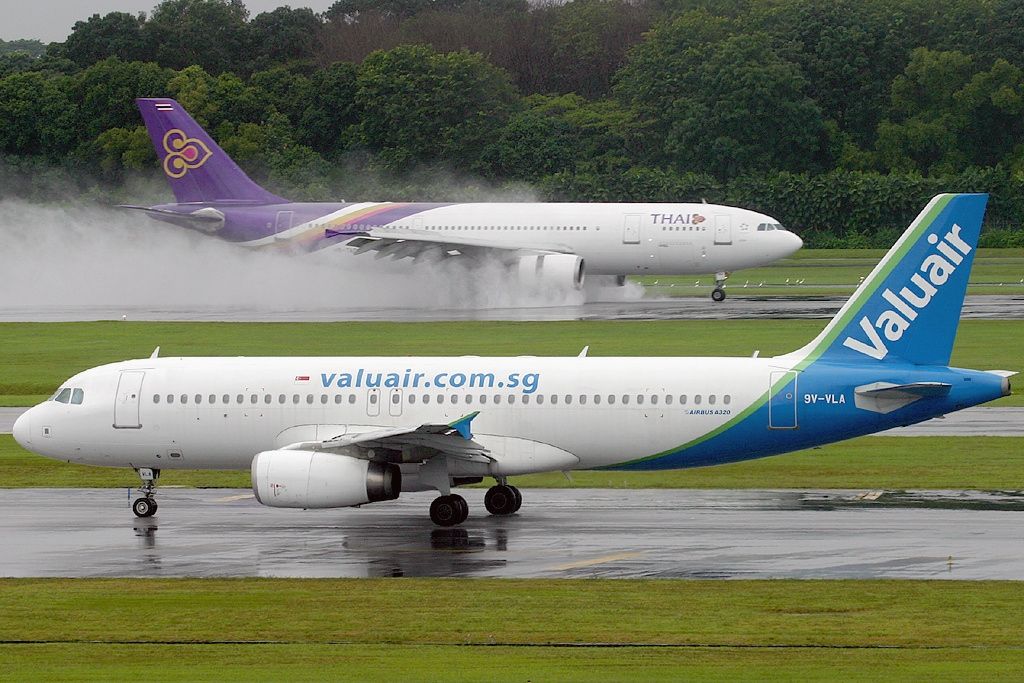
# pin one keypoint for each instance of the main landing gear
(452, 510)
(718, 293)
(146, 505)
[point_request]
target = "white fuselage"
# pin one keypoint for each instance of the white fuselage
(201, 413)
(613, 239)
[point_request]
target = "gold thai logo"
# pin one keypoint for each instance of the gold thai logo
(183, 153)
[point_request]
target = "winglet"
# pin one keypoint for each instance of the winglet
(583, 353)
(156, 353)
(462, 425)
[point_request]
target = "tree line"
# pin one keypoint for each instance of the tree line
(840, 118)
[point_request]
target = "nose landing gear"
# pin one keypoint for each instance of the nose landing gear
(718, 293)
(146, 506)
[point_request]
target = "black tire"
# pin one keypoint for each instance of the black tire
(463, 507)
(445, 511)
(500, 500)
(718, 294)
(144, 507)
(519, 498)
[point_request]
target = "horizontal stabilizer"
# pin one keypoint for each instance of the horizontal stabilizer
(212, 216)
(885, 397)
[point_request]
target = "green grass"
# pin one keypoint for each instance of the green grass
(983, 463)
(480, 629)
(37, 357)
(836, 272)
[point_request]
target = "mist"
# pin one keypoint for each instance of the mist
(79, 261)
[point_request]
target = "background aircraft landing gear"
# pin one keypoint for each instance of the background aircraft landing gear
(620, 280)
(718, 293)
(503, 499)
(146, 506)
(449, 510)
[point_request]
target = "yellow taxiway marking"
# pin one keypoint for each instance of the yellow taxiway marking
(595, 561)
(233, 498)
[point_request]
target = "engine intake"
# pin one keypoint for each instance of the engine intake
(555, 270)
(313, 479)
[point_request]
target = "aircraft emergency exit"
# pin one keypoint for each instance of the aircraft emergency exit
(553, 244)
(344, 431)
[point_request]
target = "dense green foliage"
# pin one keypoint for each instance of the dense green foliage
(840, 118)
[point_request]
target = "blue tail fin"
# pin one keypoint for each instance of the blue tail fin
(908, 308)
(197, 169)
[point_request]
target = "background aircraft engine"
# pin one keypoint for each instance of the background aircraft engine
(556, 270)
(313, 479)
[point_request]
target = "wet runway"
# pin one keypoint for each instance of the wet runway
(737, 306)
(559, 533)
(969, 422)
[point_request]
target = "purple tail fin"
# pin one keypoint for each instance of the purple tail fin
(196, 167)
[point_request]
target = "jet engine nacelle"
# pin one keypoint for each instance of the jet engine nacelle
(557, 270)
(313, 479)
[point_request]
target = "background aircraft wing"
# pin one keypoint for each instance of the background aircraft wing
(400, 243)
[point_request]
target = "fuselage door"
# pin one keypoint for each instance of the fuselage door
(284, 223)
(395, 402)
(631, 228)
(126, 402)
(723, 229)
(373, 402)
(782, 405)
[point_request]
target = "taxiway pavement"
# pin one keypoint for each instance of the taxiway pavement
(558, 533)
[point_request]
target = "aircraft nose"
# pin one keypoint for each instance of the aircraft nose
(793, 243)
(22, 430)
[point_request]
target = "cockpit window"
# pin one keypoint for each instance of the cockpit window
(77, 396)
(762, 227)
(63, 396)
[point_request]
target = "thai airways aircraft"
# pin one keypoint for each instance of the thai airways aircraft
(550, 243)
(336, 432)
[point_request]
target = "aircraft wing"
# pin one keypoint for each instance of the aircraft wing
(415, 443)
(400, 243)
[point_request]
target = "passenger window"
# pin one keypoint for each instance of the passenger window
(639, 399)
(440, 398)
(511, 398)
(396, 398)
(568, 399)
(426, 398)
(455, 398)
(373, 399)
(213, 398)
(184, 398)
(253, 398)
(697, 399)
(668, 399)
(469, 399)
(654, 400)
(170, 398)
(483, 399)
(682, 399)
(199, 399)
(540, 398)
(597, 399)
(711, 399)
(267, 398)
(337, 399)
(156, 398)
(554, 399)
(351, 398)
(225, 399)
(77, 396)
(281, 399)
(727, 399)
(412, 398)
(583, 399)
(295, 399)
(611, 399)
(625, 399)
(323, 399)
(309, 399)
(239, 398)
